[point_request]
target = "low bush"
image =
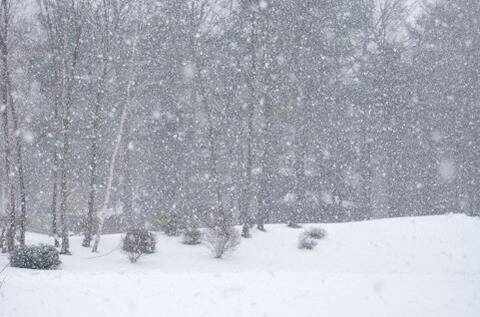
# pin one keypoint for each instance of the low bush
(170, 224)
(306, 242)
(293, 225)
(316, 233)
(138, 242)
(192, 236)
(37, 257)
(221, 240)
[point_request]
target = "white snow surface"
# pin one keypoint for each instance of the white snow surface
(423, 266)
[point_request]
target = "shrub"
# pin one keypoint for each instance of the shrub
(316, 233)
(138, 242)
(221, 240)
(192, 236)
(306, 242)
(170, 224)
(37, 257)
(293, 225)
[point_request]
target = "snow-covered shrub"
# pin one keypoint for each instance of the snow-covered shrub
(293, 224)
(316, 233)
(306, 242)
(221, 240)
(138, 242)
(38, 257)
(192, 236)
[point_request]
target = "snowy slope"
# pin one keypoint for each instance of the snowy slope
(425, 266)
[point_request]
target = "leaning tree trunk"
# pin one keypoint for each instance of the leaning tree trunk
(106, 47)
(118, 144)
(111, 173)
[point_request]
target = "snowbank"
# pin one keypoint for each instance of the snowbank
(425, 266)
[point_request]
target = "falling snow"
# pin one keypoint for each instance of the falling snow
(242, 125)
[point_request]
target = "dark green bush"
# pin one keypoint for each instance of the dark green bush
(37, 257)
(138, 242)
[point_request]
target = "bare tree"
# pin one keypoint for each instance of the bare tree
(6, 8)
(47, 21)
(221, 240)
(105, 18)
(65, 22)
(119, 138)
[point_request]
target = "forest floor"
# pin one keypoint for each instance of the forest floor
(422, 266)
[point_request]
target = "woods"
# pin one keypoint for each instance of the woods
(118, 113)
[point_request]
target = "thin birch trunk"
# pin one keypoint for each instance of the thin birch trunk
(118, 144)
(92, 219)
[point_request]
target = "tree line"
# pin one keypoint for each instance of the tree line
(118, 113)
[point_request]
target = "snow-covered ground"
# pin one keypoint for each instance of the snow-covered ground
(424, 266)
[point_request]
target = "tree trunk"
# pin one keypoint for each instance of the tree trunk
(10, 217)
(299, 167)
(2, 237)
(65, 246)
(128, 184)
(54, 197)
(299, 164)
(21, 174)
(90, 222)
(264, 193)
(91, 216)
(250, 136)
(11, 225)
(213, 165)
(67, 90)
(118, 143)
(265, 200)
